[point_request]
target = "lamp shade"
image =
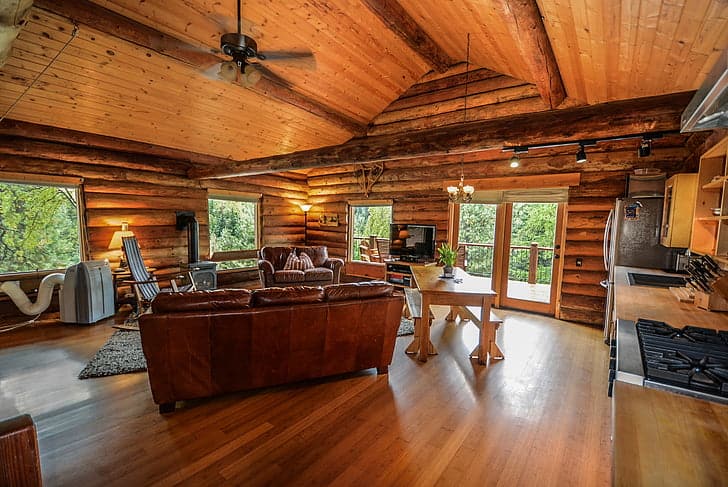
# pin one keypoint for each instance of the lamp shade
(305, 207)
(115, 243)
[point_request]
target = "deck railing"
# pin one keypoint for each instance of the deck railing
(528, 263)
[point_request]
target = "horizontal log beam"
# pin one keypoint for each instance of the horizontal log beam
(69, 153)
(116, 25)
(523, 182)
(16, 128)
(661, 113)
(401, 23)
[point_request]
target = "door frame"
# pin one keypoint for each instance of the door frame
(504, 235)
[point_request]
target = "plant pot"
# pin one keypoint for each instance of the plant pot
(447, 271)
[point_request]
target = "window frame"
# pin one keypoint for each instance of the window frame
(74, 183)
(240, 254)
(351, 204)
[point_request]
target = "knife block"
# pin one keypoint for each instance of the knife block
(710, 301)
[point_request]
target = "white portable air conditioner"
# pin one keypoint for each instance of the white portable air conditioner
(88, 293)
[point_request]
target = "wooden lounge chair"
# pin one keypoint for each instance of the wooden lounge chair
(145, 284)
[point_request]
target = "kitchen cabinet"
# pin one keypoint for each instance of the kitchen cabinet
(710, 217)
(677, 210)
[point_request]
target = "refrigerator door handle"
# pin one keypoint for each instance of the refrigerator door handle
(607, 235)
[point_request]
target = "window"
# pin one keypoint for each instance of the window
(39, 227)
(368, 222)
(233, 230)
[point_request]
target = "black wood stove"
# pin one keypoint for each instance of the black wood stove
(204, 273)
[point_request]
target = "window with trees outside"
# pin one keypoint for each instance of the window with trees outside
(368, 221)
(233, 231)
(39, 227)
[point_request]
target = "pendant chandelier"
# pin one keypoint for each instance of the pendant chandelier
(463, 193)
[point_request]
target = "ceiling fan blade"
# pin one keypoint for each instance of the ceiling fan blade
(298, 59)
(267, 73)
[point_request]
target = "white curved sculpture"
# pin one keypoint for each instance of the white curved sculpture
(45, 293)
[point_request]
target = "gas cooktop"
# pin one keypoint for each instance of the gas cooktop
(688, 359)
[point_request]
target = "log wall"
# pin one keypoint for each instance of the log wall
(415, 186)
(147, 197)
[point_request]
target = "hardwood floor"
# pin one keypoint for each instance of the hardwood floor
(539, 417)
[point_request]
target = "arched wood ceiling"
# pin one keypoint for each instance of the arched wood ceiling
(614, 50)
(108, 84)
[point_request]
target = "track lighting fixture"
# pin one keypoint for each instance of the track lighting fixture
(581, 154)
(645, 148)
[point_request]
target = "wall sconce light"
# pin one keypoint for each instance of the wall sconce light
(581, 154)
(305, 207)
(116, 242)
(645, 148)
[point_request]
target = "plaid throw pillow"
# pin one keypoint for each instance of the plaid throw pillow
(293, 263)
(306, 261)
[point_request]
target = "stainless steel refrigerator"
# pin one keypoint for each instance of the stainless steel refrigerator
(632, 238)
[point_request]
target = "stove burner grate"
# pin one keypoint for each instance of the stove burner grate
(692, 357)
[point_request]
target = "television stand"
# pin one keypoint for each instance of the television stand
(399, 272)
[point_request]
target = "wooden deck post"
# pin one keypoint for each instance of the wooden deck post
(532, 262)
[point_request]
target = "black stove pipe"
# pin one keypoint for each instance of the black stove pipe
(186, 219)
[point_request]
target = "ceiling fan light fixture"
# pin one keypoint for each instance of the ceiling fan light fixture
(228, 71)
(252, 75)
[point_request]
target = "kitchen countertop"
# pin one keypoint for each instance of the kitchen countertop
(664, 438)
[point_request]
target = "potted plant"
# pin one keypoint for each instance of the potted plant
(448, 256)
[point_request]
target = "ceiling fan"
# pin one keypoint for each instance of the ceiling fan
(245, 67)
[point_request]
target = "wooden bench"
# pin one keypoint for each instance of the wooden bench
(413, 300)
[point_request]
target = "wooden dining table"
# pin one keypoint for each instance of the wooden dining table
(458, 292)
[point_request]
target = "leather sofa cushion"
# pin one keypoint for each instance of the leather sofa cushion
(288, 276)
(360, 290)
(215, 300)
(275, 296)
(318, 253)
(318, 274)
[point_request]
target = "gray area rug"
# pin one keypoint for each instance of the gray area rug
(122, 354)
(406, 327)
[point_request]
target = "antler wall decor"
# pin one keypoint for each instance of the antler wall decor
(367, 176)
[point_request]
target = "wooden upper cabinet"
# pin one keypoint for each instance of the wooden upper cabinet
(677, 216)
(710, 230)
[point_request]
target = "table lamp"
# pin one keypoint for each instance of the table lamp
(116, 243)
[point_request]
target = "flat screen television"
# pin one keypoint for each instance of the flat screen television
(412, 242)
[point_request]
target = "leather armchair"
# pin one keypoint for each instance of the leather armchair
(327, 270)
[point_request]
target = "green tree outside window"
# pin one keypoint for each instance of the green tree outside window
(39, 227)
(232, 227)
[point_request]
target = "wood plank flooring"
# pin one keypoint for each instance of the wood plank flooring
(539, 417)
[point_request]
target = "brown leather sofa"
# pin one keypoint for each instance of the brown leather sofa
(204, 343)
(327, 270)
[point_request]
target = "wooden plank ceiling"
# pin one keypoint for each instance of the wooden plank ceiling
(368, 54)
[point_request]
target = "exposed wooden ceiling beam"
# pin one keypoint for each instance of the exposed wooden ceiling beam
(535, 47)
(609, 119)
(16, 128)
(401, 23)
(116, 25)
